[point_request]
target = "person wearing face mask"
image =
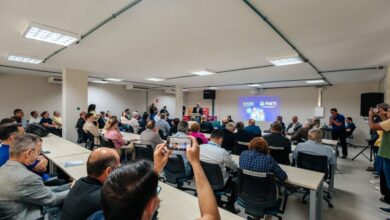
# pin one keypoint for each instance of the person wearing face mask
(22, 193)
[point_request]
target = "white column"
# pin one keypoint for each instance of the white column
(74, 100)
(179, 101)
(386, 85)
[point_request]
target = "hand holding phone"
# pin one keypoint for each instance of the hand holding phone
(178, 143)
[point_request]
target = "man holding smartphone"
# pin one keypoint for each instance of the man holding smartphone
(337, 121)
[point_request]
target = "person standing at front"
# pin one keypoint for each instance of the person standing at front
(337, 121)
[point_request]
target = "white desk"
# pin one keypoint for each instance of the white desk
(175, 204)
(60, 147)
(131, 136)
(306, 179)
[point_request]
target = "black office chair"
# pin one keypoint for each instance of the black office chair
(144, 151)
(161, 134)
(90, 143)
(257, 193)
(319, 164)
(215, 177)
(106, 142)
(175, 173)
(240, 147)
(81, 136)
(280, 155)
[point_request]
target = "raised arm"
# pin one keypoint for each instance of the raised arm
(207, 203)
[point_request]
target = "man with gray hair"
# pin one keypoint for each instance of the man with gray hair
(163, 125)
(302, 134)
(22, 193)
(134, 122)
(182, 132)
(314, 146)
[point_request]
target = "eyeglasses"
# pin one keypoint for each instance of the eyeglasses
(39, 151)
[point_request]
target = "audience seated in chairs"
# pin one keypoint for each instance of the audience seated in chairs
(18, 116)
(294, 126)
(84, 197)
(182, 132)
(34, 117)
(126, 122)
(150, 135)
(279, 145)
(134, 122)
(228, 136)
(257, 159)
(131, 190)
(205, 126)
(302, 134)
(81, 137)
(101, 120)
(195, 132)
(142, 122)
(57, 119)
(174, 124)
(113, 133)
(253, 128)
(47, 122)
(213, 153)
(92, 131)
(242, 138)
(23, 193)
(163, 126)
(349, 127)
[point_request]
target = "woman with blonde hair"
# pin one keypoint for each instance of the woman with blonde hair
(112, 132)
(258, 159)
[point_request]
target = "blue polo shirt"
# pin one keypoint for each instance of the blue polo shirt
(253, 129)
(339, 118)
(46, 120)
(4, 154)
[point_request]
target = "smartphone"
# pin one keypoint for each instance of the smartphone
(178, 143)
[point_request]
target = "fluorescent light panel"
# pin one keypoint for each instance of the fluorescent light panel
(255, 85)
(315, 81)
(155, 79)
(286, 60)
(24, 59)
(100, 81)
(203, 72)
(212, 87)
(50, 34)
(114, 80)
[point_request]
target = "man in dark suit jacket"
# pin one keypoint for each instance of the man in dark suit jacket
(228, 136)
(84, 197)
(242, 137)
(294, 126)
(279, 145)
(198, 109)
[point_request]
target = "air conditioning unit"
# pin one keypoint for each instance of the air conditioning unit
(137, 88)
(257, 91)
(170, 90)
(55, 79)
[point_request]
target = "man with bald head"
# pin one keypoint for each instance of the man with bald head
(294, 126)
(150, 135)
(253, 128)
(84, 197)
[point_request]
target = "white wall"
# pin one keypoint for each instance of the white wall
(115, 98)
(35, 93)
(296, 101)
(166, 99)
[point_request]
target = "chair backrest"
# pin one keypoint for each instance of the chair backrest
(199, 140)
(240, 147)
(143, 151)
(174, 169)
(280, 155)
(161, 134)
(257, 191)
(106, 142)
(214, 175)
(312, 162)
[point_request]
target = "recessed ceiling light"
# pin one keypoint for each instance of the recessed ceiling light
(24, 58)
(255, 85)
(155, 79)
(114, 80)
(50, 34)
(203, 72)
(315, 81)
(185, 90)
(100, 81)
(286, 60)
(212, 87)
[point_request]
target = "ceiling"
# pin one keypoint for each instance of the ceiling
(345, 40)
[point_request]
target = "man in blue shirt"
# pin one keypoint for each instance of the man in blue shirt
(253, 129)
(350, 126)
(337, 121)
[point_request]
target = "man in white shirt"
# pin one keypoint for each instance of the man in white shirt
(213, 153)
(34, 117)
(293, 126)
(150, 136)
(134, 122)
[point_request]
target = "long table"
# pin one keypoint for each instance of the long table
(307, 179)
(175, 204)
